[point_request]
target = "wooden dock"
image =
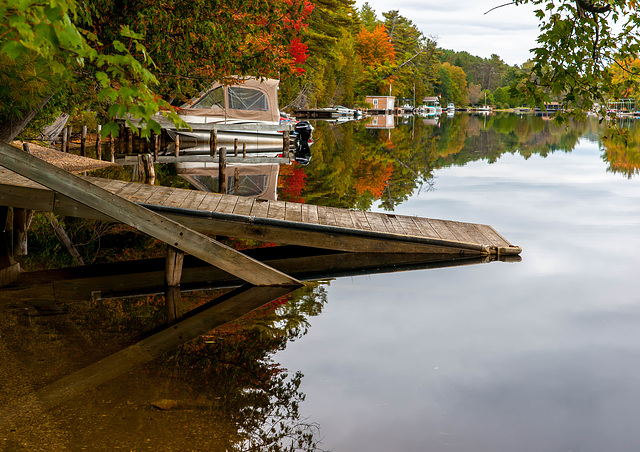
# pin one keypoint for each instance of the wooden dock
(185, 219)
(272, 221)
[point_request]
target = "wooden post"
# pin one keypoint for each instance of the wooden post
(156, 144)
(65, 137)
(236, 180)
(213, 143)
(99, 143)
(112, 148)
(173, 274)
(235, 147)
(163, 139)
(21, 220)
(285, 142)
(129, 141)
(83, 142)
(68, 138)
(5, 258)
(177, 150)
(146, 170)
(222, 171)
(244, 150)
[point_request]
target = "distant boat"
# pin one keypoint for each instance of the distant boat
(451, 107)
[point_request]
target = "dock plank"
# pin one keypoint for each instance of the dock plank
(376, 222)
(227, 204)
(142, 195)
(243, 206)
(129, 190)
(460, 231)
(193, 200)
(110, 185)
(176, 198)
(359, 220)
(161, 195)
(393, 223)
(277, 210)
(343, 218)
(293, 212)
(310, 214)
(491, 234)
(426, 228)
(409, 226)
(210, 202)
(442, 228)
(326, 216)
(260, 208)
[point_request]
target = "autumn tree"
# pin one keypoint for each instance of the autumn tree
(378, 57)
(134, 57)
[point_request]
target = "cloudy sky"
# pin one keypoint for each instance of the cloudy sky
(509, 31)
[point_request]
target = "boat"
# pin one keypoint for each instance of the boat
(451, 107)
(249, 103)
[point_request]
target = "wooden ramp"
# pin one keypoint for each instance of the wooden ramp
(273, 221)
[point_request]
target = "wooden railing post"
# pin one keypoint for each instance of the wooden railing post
(65, 138)
(83, 141)
(222, 171)
(213, 143)
(99, 143)
(112, 148)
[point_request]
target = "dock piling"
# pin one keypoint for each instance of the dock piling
(83, 141)
(99, 143)
(222, 171)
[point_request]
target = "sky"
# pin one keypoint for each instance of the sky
(462, 25)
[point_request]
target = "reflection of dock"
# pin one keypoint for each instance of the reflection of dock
(146, 277)
(272, 221)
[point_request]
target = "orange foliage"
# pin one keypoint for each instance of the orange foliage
(372, 176)
(375, 47)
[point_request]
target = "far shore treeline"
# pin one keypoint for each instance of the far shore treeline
(102, 59)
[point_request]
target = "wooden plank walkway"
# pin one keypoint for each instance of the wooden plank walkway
(274, 221)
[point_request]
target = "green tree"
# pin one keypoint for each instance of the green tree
(579, 42)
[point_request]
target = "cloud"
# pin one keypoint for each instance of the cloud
(509, 31)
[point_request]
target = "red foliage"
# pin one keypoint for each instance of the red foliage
(298, 51)
(291, 183)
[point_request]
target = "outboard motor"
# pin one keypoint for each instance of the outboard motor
(303, 131)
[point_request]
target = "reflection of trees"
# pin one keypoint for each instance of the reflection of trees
(622, 153)
(225, 385)
(232, 368)
(353, 167)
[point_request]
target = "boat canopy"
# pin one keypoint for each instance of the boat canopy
(249, 99)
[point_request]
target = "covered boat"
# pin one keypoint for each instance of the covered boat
(251, 104)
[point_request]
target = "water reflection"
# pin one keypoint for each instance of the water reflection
(68, 367)
(358, 165)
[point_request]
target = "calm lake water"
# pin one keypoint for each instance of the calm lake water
(540, 355)
(537, 355)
